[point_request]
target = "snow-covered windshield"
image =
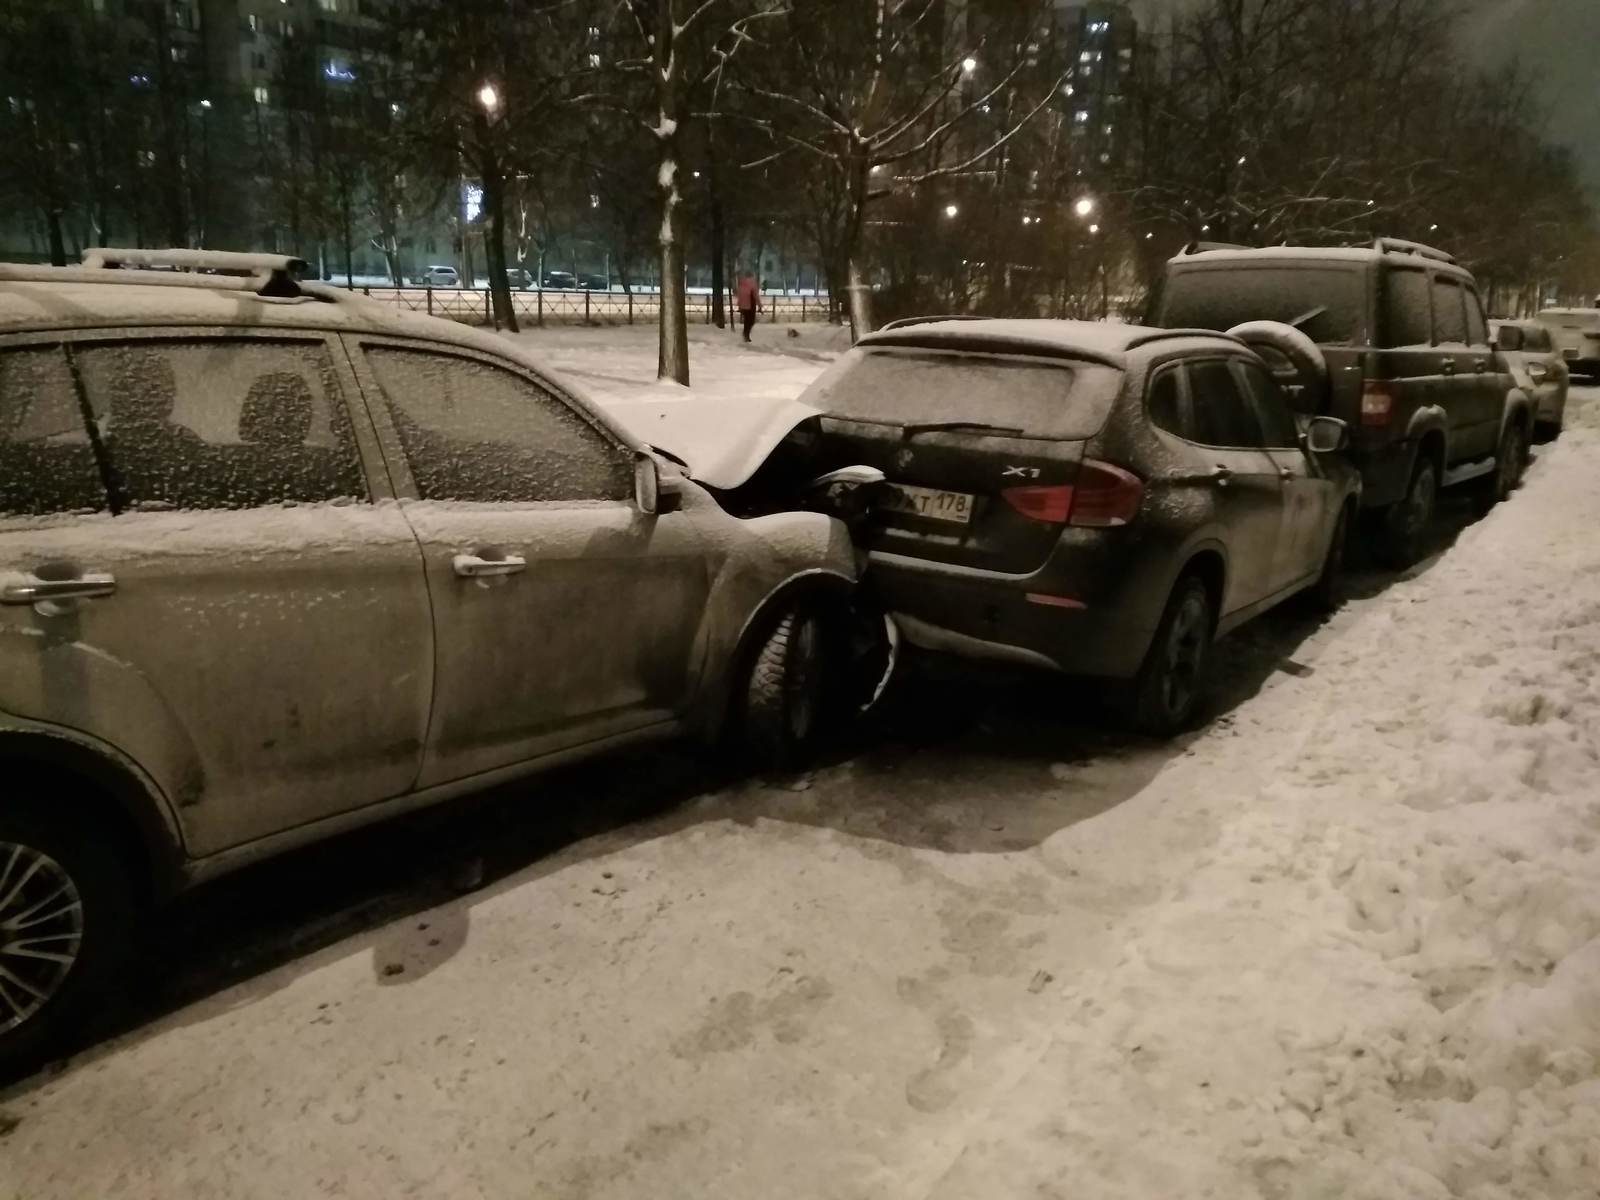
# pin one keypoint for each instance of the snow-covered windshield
(1327, 303)
(1033, 396)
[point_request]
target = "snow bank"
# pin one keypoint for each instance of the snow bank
(1383, 978)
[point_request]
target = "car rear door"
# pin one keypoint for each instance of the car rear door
(251, 626)
(1310, 499)
(1470, 392)
(562, 615)
(1229, 448)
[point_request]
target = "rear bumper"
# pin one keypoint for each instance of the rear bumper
(1583, 366)
(1385, 472)
(1091, 609)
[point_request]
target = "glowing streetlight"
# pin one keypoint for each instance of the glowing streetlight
(950, 210)
(969, 65)
(489, 98)
(1432, 228)
(1094, 229)
(1241, 160)
(1148, 236)
(1084, 206)
(205, 104)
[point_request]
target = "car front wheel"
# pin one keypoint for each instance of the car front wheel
(1509, 464)
(786, 689)
(66, 916)
(1167, 691)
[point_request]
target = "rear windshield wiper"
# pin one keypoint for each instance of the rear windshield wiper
(911, 431)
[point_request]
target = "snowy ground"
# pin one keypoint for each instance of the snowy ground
(1343, 942)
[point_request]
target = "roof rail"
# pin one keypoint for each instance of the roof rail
(1202, 247)
(904, 322)
(1401, 246)
(268, 274)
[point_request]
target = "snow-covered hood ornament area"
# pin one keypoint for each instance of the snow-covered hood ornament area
(722, 443)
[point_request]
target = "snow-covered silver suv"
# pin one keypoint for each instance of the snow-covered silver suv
(276, 562)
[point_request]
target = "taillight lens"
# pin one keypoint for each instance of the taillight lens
(1103, 495)
(1052, 504)
(1377, 402)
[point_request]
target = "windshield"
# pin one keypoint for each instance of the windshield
(1327, 303)
(1017, 396)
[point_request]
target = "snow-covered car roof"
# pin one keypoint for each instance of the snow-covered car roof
(1101, 341)
(76, 304)
(1355, 254)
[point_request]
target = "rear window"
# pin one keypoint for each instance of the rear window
(1327, 303)
(1408, 310)
(1039, 397)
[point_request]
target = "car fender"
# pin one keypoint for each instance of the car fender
(122, 781)
(1519, 405)
(68, 684)
(769, 559)
(1206, 540)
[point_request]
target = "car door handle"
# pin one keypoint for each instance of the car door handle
(33, 590)
(1480, 365)
(1285, 473)
(1220, 475)
(1448, 366)
(470, 566)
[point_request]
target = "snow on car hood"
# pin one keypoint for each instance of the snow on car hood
(723, 441)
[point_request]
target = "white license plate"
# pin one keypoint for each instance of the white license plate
(933, 503)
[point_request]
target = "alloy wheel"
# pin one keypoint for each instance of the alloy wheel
(804, 668)
(41, 931)
(1184, 653)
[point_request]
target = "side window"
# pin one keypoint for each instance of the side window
(222, 422)
(1408, 308)
(1166, 405)
(475, 431)
(1277, 420)
(47, 463)
(1222, 416)
(1449, 316)
(1538, 338)
(1477, 327)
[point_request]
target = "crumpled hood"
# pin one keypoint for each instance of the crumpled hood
(723, 441)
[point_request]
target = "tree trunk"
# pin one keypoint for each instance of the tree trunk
(719, 237)
(58, 248)
(860, 295)
(673, 358)
(494, 248)
(349, 237)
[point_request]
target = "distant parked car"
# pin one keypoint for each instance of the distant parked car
(518, 278)
(1575, 333)
(437, 276)
(560, 280)
(594, 283)
(1539, 370)
(277, 561)
(1101, 500)
(1391, 338)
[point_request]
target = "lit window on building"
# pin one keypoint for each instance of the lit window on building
(260, 94)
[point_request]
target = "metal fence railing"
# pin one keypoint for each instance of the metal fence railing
(472, 306)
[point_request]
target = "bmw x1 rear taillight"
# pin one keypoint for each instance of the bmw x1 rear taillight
(1103, 495)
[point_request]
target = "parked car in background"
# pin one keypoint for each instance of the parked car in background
(519, 278)
(594, 283)
(1575, 333)
(1395, 344)
(1539, 371)
(437, 276)
(560, 280)
(277, 561)
(1100, 500)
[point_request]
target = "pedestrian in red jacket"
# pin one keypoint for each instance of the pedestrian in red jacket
(747, 294)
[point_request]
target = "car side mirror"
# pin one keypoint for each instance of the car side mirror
(1509, 338)
(1324, 435)
(654, 493)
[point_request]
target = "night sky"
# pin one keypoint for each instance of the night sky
(1558, 38)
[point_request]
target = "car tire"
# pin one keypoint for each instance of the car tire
(1326, 593)
(787, 689)
(71, 895)
(1166, 694)
(1510, 461)
(1397, 541)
